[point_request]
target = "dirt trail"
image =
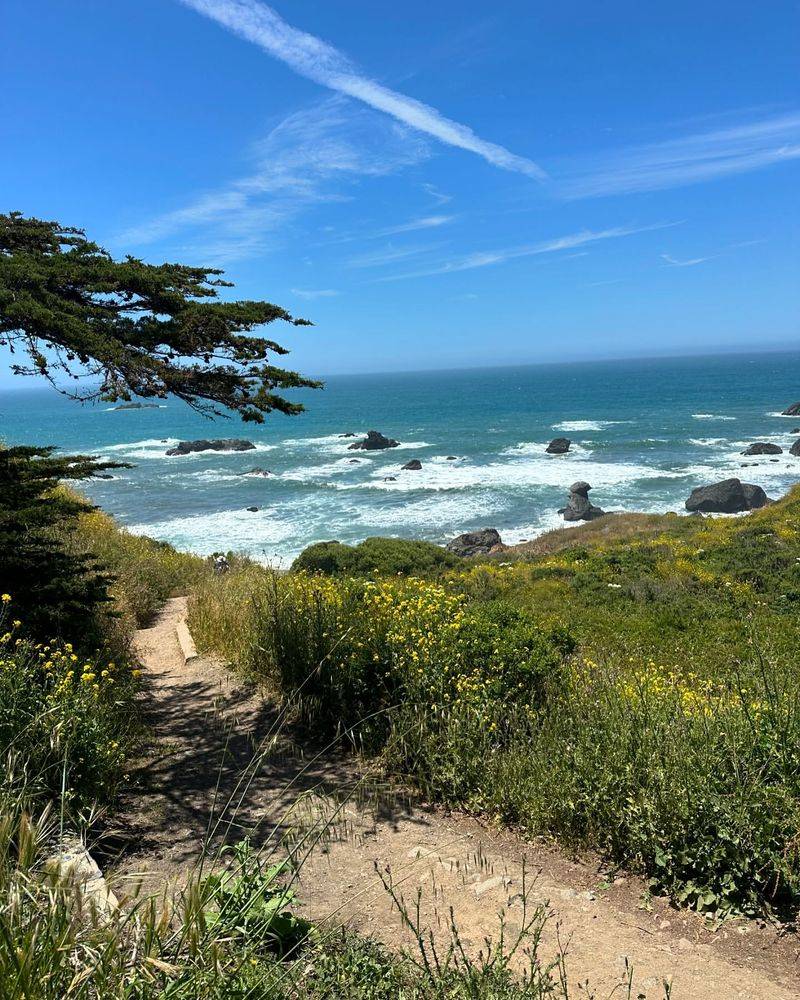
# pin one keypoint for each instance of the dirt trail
(207, 727)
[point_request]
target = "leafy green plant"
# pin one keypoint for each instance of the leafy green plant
(250, 901)
(384, 556)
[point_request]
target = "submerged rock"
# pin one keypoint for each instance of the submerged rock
(413, 466)
(258, 472)
(253, 509)
(763, 448)
(558, 446)
(579, 507)
(374, 441)
(349, 434)
(219, 444)
(452, 458)
(476, 543)
(730, 496)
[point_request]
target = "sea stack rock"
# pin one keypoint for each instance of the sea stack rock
(374, 441)
(476, 543)
(731, 496)
(220, 444)
(795, 449)
(763, 448)
(413, 466)
(579, 507)
(792, 411)
(558, 446)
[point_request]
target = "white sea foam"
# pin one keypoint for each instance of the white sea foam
(711, 416)
(587, 425)
(709, 442)
(539, 448)
(240, 530)
(156, 448)
(786, 416)
(541, 471)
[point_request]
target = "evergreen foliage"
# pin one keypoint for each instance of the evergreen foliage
(54, 590)
(135, 329)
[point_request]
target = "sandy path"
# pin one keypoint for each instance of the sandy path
(207, 728)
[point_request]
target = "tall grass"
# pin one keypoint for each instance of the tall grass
(635, 693)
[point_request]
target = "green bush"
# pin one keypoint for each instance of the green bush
(384, 556)
(66, 721)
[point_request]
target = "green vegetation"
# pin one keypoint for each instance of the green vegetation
(55, 589)
(135, 328)
(631, 686)
(385, 556)
(54, 943)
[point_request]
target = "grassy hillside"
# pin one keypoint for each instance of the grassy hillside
(631, 685)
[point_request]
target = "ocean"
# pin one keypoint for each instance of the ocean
(644, 433)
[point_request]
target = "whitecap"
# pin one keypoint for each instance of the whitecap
(540, 448)
(587, 425)
(711, 416)
(238, 530)
(543, 471)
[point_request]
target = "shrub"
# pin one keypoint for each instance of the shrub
(384, 556)
(65, 720)
(56, 590)
(144, 572)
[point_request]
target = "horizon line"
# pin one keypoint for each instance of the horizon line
(19, 383)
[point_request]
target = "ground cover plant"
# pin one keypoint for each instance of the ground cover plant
(632, 687)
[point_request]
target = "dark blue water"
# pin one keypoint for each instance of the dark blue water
(644, 433)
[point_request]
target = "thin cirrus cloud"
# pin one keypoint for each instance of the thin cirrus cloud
(690, 159)
(316, 60)
(690, 262)
(390, 255)
(488, 258)
(314, 293)
(426, 222)
(305, 160)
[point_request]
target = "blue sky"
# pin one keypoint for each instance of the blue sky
(434, 185)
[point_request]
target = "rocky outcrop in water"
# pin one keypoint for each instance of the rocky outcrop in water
(731, 496)
(763, 448)
(349, 434)
(374, 441)
(792, 411)
(413, 466)
(558, 446)
(219, 444)
(136, 406)
(579, 507)
(476, 543)
(258, 472)
(795, 449)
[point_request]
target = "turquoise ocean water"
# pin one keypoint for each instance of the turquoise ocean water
(644, 433)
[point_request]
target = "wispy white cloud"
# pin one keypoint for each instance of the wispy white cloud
(691, 262)
(488, 258)
(389, 255)
(314, 293)
(306, 160)
(439, 197)
(690, 159)
(316, 60)
(427, 222)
